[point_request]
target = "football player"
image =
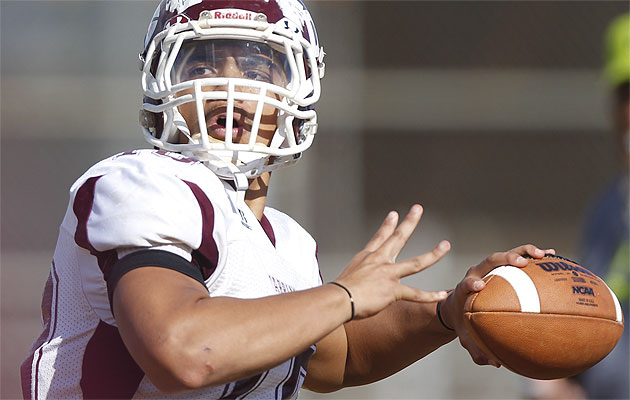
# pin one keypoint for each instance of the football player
(171, 278)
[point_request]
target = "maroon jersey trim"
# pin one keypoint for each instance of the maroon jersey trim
(266, 225)
(108, 370)
(207, 255)
(82, 207)
(50, 320)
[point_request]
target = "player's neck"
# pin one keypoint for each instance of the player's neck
(256, 195)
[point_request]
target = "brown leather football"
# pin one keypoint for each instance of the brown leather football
(551, 319)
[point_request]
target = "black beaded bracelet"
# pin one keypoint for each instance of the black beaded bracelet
(439, 314)
(349, 295)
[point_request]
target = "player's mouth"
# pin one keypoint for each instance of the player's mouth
(217, 125)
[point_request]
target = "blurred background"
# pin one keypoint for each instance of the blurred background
(493, 115)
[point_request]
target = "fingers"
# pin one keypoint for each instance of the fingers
(477, 355)
(512, 257)
(480, 358)
(397, 240)
(470, 285)
(497, 260)
(420, 296)
(532, 251)
(384, 232)
(389, 239)
(422, 262)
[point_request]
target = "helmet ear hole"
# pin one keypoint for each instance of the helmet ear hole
(152, 122)
(147, 120)
(297, 128)
(155, 61)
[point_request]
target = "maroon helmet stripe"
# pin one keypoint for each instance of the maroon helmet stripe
(270, 8)
(266, 225)
(82, 207)
(108, 370)
(45, 337)
(207, 255)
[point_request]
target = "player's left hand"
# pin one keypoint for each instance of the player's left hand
(453, 307)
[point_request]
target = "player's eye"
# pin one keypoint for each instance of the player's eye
(198, 71)
(256, 68)
(256, 75)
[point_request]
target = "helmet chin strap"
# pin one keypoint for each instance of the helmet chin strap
(180, 123)
(225, 170)
(229, 165)
(240, 181)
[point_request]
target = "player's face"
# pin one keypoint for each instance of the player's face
(231, 59)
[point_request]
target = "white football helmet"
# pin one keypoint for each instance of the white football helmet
(273, 46)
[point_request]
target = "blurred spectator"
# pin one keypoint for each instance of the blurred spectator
(605, 243)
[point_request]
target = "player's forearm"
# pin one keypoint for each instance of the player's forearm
(213, 341)
(268, 331)
(384, 344)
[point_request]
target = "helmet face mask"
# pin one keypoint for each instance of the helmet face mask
(233, 87)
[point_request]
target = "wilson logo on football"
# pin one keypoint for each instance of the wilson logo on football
(562, 266)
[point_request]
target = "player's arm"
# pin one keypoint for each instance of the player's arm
(371, 349)
(183, 339)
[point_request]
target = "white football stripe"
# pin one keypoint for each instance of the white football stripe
(617, 305)
(523, 287)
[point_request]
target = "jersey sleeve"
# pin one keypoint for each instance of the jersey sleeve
(149, 211)
(134, 206)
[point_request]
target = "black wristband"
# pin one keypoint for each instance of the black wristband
(439, 314)
(349, 295)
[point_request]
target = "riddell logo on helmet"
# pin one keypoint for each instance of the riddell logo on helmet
(233, 14)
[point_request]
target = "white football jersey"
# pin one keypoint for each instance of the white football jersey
(150, 199)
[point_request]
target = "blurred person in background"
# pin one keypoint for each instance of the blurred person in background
(605, 243)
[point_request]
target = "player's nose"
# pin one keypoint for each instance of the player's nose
(230, 69)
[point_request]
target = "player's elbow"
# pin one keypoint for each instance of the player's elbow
(180, 380)
(184, 366)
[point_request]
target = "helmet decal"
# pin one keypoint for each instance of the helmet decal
(178, 6)
(178, 19)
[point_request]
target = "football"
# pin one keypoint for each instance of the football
(551, 319)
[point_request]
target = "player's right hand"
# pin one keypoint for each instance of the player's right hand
(453, 307)
(373, 276)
